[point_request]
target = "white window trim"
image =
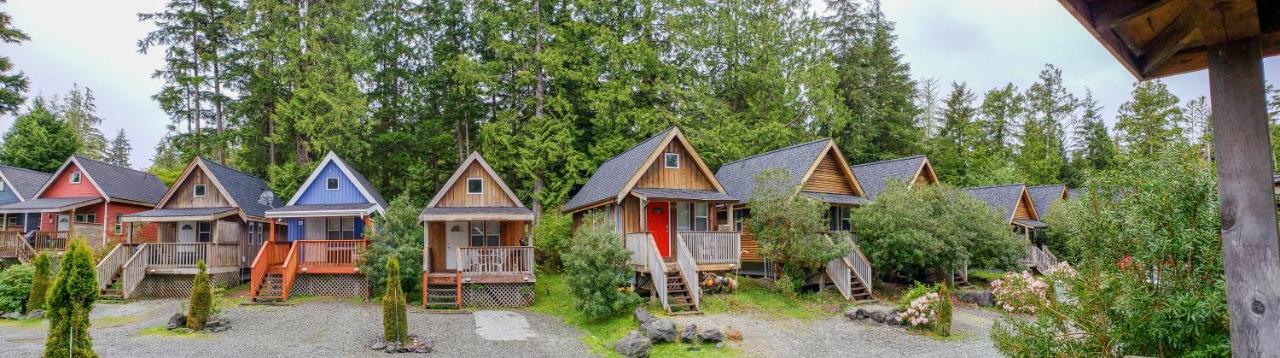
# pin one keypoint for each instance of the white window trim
(667, 163)
(481, 180)
(75, 177)
(335, 180)
(198, 193)
(2, 186)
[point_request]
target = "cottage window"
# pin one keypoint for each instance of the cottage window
(14, 220)
(1, 186)
(119, 226)
(671, 161)
(198, 191)
(838, 219)
(75, 177)
(700, 222)
(485, 233)
(340, 228)
(331, 184)
(475, 186)
(738, 215)
(86, 218)
(683, 216)
(205, 231)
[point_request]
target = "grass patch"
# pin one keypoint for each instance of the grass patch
(26, 323)
(599, 336)
(985, 275)
(115, 321)
(160, 331)
(754, 297)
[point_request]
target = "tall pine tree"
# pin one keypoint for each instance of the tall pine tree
(12, 85)
(38, 140)
(1151, 121)
(1042, 156)
(118, 152)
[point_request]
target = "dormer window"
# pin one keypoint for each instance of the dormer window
(198, 191)
(75, 177)
(331, 184)
(671, 161)
(2, 188)
(475, 186)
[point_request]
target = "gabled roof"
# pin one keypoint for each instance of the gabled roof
(116, 183)
(245, 191)
(453, 180)
(370, 193)
(875, 176)
(1003, 198)
(1045, 195)
(799, 161)
(613, 179)
(25, 183)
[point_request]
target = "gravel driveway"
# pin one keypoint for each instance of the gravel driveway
(323, 328)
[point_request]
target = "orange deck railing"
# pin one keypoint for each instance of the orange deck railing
(269, 259)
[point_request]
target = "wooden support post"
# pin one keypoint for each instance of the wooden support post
(1251, 249)
(272, 227)
(71, 226)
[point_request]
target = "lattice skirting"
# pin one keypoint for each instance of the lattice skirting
(178, 286)
(495, 295)
(331, 285)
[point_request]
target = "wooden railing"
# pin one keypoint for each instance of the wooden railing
(1038, 258)
(134, 270)
(852, 266)
(51, 240)
(290, 271)
(638, 243)
(688, 270)
(109, 264)
(657, 272)
(496, 260)
(12, 244)
(271, 254)
(713, 247)
(861, 267)
(186, 255)
(329, 253)
(840, 274)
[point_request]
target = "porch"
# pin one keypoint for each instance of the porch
(56, 221)
(280, 265)
(477, 256)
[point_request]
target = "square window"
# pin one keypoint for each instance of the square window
(1, 186)
(475, 186)
(75, 177)
(671, 161)
(198, 191)
(331, 184)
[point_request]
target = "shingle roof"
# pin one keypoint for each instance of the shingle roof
(1004, 198)
(839, 199)
(119, 182)
(612, 176)
(478, 213)
(49, 204)
(159, 213)
(248, 191)
(1044, 196)
(739, 177)
(686, 194)
(25, 182)
(362, 181)
(321, 207)
(874, 177)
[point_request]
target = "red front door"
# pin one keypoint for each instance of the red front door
(657, 214)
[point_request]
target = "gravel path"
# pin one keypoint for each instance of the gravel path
(841, 337)
(327, 328)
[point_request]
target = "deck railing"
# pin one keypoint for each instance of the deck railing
(688, 270)
(657, 272)
(329, 253)
(638, 243)
(12, 244)
(186, 255)
(271, 254)
(852, 266)
(111, 263)
(840, 274)
(861, 267)
(496, 260)
(134, 270)
(290, 271)
(713, 247)
(51, 240)
(1040, 259)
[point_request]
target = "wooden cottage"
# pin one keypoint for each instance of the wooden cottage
(18, 185)
(477, 247)
(818, 170)
(213, 214)
(1014, 203)
(1045, 196)
(328, 222)
(85, 199)
(664, 201)
(913, 171)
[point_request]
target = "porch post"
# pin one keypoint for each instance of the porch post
(426, 252)
(272, 228)
(131, 228)
(729, 214)
(71, 225)
(106, 218)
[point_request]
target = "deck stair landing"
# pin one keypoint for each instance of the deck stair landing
(442, 291)
(271, 289)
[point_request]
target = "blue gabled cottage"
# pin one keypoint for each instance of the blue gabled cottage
(327, 222)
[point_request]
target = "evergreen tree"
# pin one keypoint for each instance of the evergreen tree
(1096, 150)
(39, 282)
(38, 140)
(12, 85)
(951, 151)
(930, 104)
(1001, 109)
(1042, 156)
(78, 111)
(118, 152)
(1199, 131)
(74, 291)
(1151, 121)
(395, 319)
(201, 299)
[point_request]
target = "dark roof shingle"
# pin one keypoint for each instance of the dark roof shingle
(874, 177)
(1044, 196)
(1003, 198)
(685, 194)
(250, 192)
(739, 177)
(160, 213)
(119, 182)
(611, 176)
(362, 181)
(25, 182)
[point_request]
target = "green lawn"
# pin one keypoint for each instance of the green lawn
(160, 331)
(752, 297)
(554, 300)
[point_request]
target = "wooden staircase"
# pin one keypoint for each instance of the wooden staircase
(442, 292)
(271, 289)
(115, 288)
(13, 245)
(852, 275)
(679, 298)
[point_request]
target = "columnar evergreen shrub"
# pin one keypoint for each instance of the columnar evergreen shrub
(15, 286)
(74, 291)
(943, 326)
(39, 282)
(789, 229)
(398, 234)
(201, 299)
(395, 318)
(595, 267)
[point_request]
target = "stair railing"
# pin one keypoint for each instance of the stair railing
(271, 254)
(134, 271)
(290, 271)
(859, 264)
(840, 273)
(112, 263)
(658, 273)
(688, 270)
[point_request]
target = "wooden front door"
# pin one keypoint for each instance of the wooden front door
(658, 215)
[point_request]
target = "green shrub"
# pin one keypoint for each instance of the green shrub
(789, 228)
(201, 299)
(40, 282)
(552, 235)
(942, 326)
(917, 289)
(15, 287)
(398, 235)
(595, 265)
(74, 291)
(395, 318)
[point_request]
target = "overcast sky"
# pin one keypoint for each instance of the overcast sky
(985, 43)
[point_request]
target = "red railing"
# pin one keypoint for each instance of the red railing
(272, 254)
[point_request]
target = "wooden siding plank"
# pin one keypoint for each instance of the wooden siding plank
(184, 195)
(316, 193)
(492, 195)
(687, 176)
(828, 178)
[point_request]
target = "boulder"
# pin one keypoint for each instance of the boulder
(11, 315)
(378, 345)
(688, 333)
(877, 316)
(176, 321)
(36, 314)
(733, 334)
(643, 316)
(710, 335)
(659, 330)
(857, 314)
(633, 345)
(220, 329)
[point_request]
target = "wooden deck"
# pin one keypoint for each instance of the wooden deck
(278, 264)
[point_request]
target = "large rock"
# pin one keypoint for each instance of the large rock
(710, 335)
(688, 333)
(176, 321)
(36, 314)
(633, 345)
(643, 316)
(659, 330)
(11, 315)
(877, 316)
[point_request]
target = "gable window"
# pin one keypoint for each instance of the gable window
(75, 177)
(475, 186)
(205, 231)
(671, 161)
(331, 184)
(340, 228)
(198, 191)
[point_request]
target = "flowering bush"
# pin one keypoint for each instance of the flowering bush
(1019, 293)
(921, 311)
